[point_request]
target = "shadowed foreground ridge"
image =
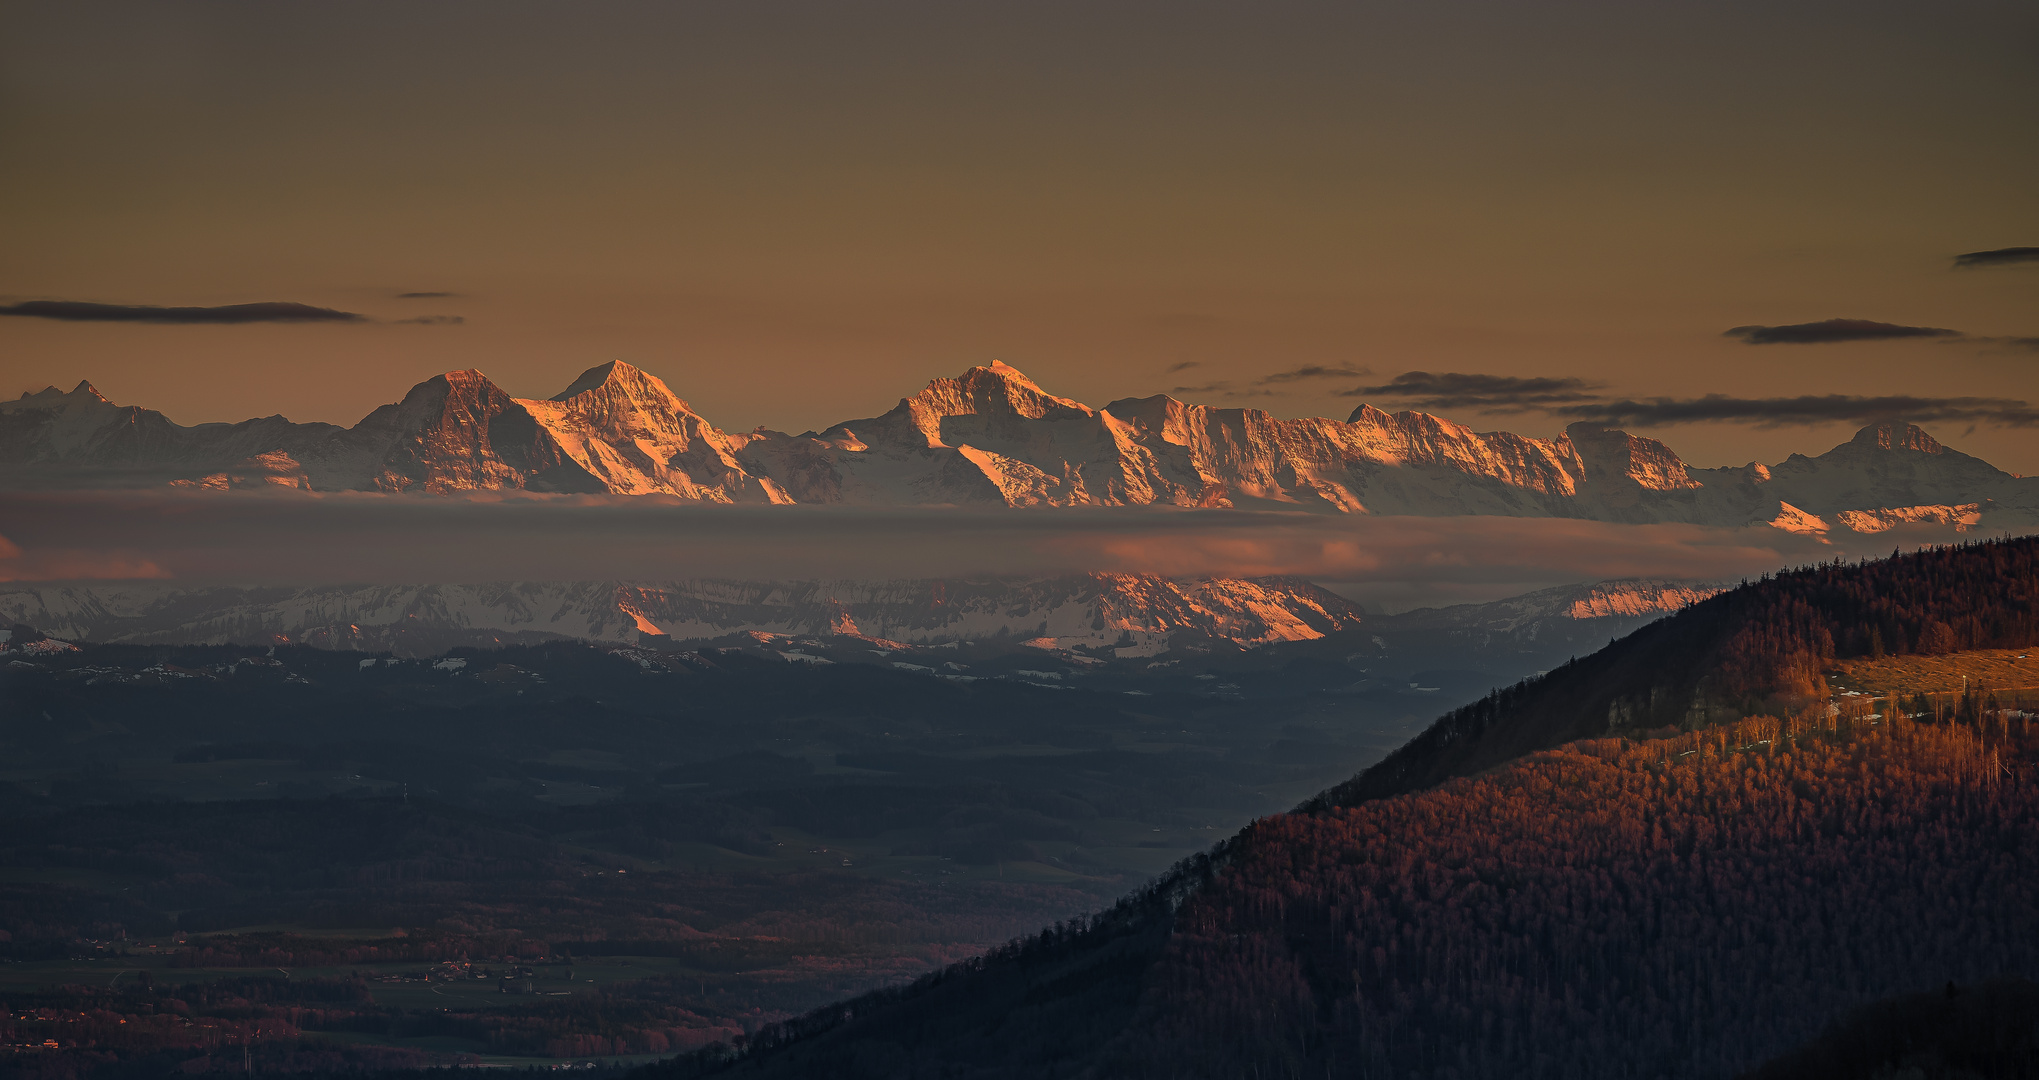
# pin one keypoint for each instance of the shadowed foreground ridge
(1719, 870)
(1956, 1033)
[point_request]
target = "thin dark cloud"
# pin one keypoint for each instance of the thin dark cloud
(1184, 366)
(1488, 393)
(1833, 330)
(1577, 399)
(1313, 371)
(268, 312)
(1806, 410)
(435, 320)
(1996, 257)
(426, 295)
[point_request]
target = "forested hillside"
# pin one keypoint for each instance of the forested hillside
(1759, 648)
(1677, 907)
(1676, 857)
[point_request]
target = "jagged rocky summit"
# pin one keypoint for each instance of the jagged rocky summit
(992, 437)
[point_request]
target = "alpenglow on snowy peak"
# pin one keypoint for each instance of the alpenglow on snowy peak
(1132, 612)
(1132, 615)
(992, 437)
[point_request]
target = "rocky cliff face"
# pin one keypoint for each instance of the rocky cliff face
(991, 436)
(460, 432)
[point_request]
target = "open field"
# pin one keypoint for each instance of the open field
(2012, 674)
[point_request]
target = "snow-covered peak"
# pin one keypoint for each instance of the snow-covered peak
(456, 431)
(49, 397)
(1614, 456)
(628, 429)
(620, 377)
(1897, 435)
(994, 389)
(992, 435)
(984, 405)
(1791, 519)
(1367, 414)
(621, 398)
(1622, 598)
(426, 401)
(1005, 370)
(468, 378)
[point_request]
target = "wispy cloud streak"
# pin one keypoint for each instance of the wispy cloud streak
(1488, 393)
(1312, 372)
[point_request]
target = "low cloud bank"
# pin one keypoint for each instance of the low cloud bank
(215, 538)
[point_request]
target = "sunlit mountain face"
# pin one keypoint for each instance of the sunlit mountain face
(991, 437)
(1001, 541)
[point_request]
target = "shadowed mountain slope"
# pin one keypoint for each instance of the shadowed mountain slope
(1679, 905)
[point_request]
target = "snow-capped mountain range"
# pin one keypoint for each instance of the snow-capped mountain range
(1134, 615)
(992, 436)
(1128, 611)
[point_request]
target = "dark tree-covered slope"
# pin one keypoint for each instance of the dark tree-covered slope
(1679, 907)
(1685, 895)
(1754, 649)
(1956, 1033)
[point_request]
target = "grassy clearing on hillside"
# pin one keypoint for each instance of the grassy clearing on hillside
(1969, 683)
(1996, 669)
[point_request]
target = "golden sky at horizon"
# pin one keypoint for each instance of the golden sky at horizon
(797, 213)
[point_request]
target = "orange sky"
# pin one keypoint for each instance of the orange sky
(797, 213)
